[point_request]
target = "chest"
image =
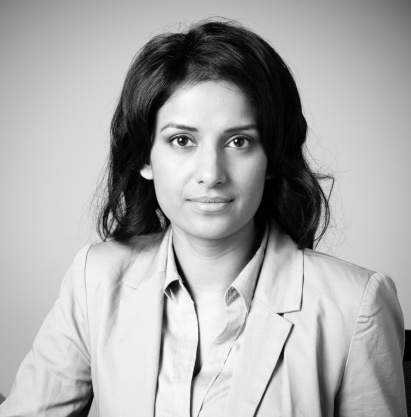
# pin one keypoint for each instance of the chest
(212, 319)
(198, 350)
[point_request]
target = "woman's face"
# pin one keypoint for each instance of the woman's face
(207, 161)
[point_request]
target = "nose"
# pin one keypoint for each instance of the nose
(210, 168)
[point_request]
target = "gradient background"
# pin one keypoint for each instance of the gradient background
(62, 67)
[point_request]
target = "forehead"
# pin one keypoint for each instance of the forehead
(216, 102)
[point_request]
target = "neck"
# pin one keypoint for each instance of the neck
(209, 267)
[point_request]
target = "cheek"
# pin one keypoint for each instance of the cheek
(256, 187)
(255, 176)
(161, 170)
(167, 180)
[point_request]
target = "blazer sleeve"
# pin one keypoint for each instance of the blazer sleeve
(54, 378)
(373, 381)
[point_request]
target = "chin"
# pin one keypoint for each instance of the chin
(215, 230)
(210, 234)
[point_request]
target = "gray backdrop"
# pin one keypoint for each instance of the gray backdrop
(62, 66)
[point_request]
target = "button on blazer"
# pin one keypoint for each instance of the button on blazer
(323, 338)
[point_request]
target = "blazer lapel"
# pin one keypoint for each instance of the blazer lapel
(264, 338)
(137, 356)
(134, 351)
(279, 290)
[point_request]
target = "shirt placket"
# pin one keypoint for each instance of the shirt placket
(185, 357)
(219, 351)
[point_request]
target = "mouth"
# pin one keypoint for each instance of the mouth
(209, 200)
(210, 204)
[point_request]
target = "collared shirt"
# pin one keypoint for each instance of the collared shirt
(178, 394)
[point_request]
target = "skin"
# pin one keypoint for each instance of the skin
(209, 168)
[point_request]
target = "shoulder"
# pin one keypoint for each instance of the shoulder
(115, 255)
(320, 266)
(342, 272)
(110, 263)
(344, 285)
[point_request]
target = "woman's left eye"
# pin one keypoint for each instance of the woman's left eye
(240, 143)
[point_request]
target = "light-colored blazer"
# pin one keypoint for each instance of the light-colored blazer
(323, 338)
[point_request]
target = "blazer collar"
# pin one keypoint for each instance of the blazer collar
(279, 290)
(280, 283)
(150, 258)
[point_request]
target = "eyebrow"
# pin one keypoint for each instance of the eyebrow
(193, 129)
(178, 126)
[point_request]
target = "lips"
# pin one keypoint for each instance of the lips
(209, 200)
(210, 204)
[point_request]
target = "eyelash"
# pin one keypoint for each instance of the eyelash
(245, 138)
(172, 140)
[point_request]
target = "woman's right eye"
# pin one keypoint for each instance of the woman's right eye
(181, 141)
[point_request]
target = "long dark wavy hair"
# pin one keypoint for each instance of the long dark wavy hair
(212, 50)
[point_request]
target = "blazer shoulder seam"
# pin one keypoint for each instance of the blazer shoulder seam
(356, 323)
(310, 252)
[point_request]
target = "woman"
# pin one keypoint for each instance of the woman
(206, 298)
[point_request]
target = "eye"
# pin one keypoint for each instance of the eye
(181, 141)
(240, 142)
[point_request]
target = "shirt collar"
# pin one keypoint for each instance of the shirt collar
(172, 275)
(246, 282)
(244, 285)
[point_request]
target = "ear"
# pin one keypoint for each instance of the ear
(146, 172)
